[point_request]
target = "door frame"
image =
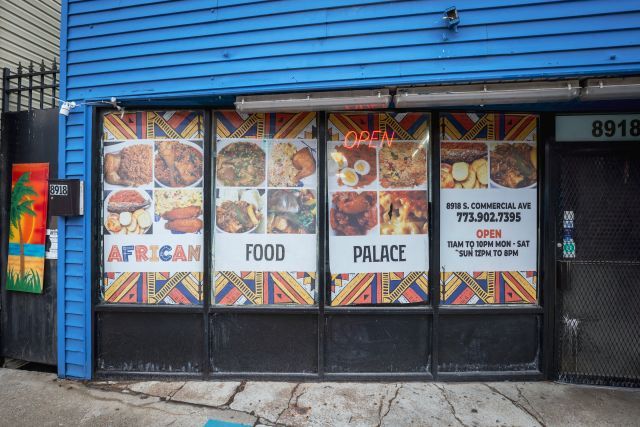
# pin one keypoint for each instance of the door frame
(551, 257)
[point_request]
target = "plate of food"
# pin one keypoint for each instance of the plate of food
(127, 212)
(353, 213)
(178, 164)
(291, 212)
(403, 165)
(178, 211)
(240, 164)
(464, 165)
(514, 165)
(239, 211)
(292, 164)
(352, 167)
(128, 164)
(403, 212)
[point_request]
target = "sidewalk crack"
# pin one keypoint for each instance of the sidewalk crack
(518, 405)
(451, 407)
(293, 392)
(395, 396)
(237, 391)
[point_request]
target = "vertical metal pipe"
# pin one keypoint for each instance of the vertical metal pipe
(434, 243)
(323, 276)
(53, 83)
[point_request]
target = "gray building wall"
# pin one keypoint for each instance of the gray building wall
(29, 31)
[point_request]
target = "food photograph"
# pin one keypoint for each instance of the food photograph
(292, 164)
(353, 214)
(178, 211)
(514, 165)
(352, 167)
(403, 212)
(127, 212)
(130, 166)
(464, 165)
(403, 165)
(291, 212)
(240, 211)
(178, 164)
(240, 164)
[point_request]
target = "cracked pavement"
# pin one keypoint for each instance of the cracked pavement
(35, 398)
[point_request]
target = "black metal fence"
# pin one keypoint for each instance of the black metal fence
(30, 87)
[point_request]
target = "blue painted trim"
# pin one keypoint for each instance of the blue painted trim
(88, 241)
(62, 143)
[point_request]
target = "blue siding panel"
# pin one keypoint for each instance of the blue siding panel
(161, 49)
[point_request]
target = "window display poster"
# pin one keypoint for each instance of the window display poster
(488, 208)
(153, 207)
(27, 227)
(265, 237)
(378, 204)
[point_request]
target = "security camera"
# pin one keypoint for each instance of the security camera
(66, 107)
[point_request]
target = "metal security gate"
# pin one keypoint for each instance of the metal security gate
(598, 265)
(29, 135)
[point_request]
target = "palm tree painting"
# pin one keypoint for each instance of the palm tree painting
(27, 227)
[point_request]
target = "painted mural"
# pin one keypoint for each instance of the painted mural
(27, 227)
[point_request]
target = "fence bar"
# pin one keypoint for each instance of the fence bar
(19, 86)
(42, 85)
(5, 89)
(30, 85)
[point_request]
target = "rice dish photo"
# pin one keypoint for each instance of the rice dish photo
(403, 165)
(131, 166)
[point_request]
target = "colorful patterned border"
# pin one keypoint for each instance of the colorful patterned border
(153, 125)
(379, 288)
(231, 124)
(489, 127)
(494, 287)
(256, 288)
(153, 288)
(405, 126)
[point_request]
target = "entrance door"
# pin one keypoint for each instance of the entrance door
(598, 264)
(28, 321)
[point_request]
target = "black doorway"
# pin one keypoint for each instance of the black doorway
(597, 227)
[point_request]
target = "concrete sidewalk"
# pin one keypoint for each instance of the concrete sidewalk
(33, 398)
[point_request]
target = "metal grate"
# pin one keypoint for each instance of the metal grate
(599, 284)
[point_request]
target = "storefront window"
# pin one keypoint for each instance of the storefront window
(152, 212)
(488, 208)
(377, 207)
(266, 203)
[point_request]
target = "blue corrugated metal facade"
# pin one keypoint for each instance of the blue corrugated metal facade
(197, 49)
